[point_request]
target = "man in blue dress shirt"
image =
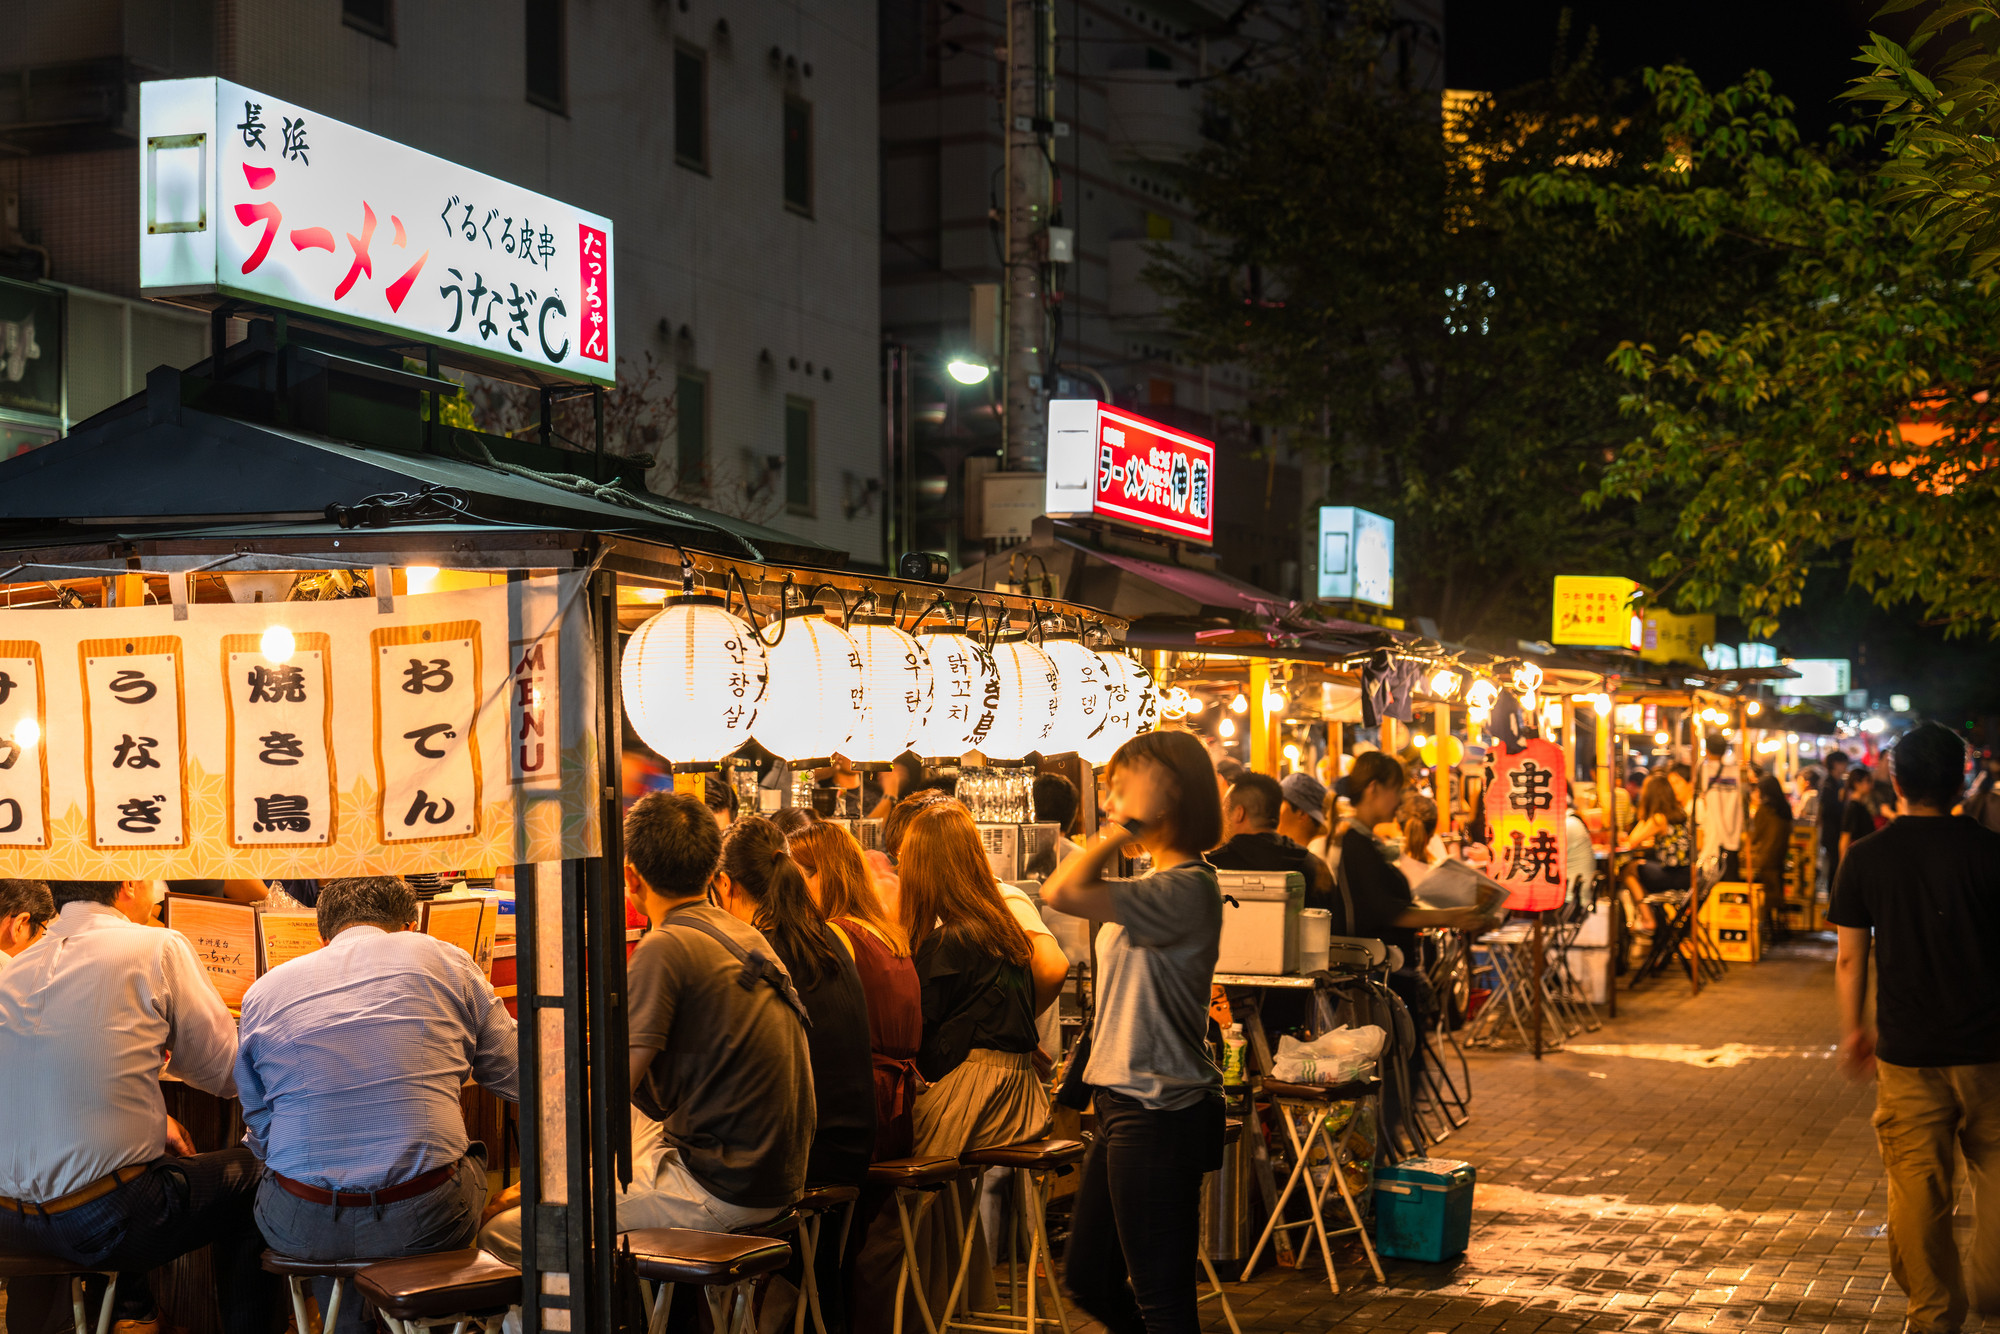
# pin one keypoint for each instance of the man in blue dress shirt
(349, 1065)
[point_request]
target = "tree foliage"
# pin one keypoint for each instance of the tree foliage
(1842, 412)
(1440, 338)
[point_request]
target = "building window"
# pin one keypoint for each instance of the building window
(799, 455)
(691, 107)
(377, 18)
(799, 155)
(548, 55)
(691, 430)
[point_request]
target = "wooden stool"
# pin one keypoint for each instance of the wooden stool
(724, 1265)
(1314, 1104)
(47, 1266)
(810, 1212)
(926, 1178)
(1032, 1163)
(297, 1273)
(458, 1288)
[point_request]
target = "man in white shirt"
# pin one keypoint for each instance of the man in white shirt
(92, 1170)
(25, 910)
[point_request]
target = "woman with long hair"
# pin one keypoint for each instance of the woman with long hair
(1664, 829)
(1770, 846)
(1416, 826)
(839, 881)
(759, 883)
(1135, 1226)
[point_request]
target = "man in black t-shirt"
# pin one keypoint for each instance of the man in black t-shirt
(1250, 821)
(1923, 894)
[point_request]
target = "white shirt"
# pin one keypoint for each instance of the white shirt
(87, 1017)
(1048, 1024)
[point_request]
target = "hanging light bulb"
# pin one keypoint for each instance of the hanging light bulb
(1226, 728)
(1275, 701)
(814, 703)
(896, 690)
(1660, 738)
(1753, 708)
(1292, 753)
(1482, 693)
(1132, 706)
(27, 734)
(692, 679)
(1445, 682)
(1030, 702)
(1239, 704)
(965, 694)
(277, 645)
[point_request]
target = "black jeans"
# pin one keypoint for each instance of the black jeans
(1135, 1227)
(179, 1205)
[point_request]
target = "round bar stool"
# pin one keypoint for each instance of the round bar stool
(48, 1266)
(1032, 1164)
(1314, 1105)
(456, 1288)
(924, 1179)
(725, 1265)
(298, 1273)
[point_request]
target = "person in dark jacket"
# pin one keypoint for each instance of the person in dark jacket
(1770, 846)
(1253, 843)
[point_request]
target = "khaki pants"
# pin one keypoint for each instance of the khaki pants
(1919, 1113)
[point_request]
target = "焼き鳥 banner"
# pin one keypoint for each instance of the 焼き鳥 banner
(452, 731)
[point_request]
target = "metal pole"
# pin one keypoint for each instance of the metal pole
(1535, 945)
(610, 1094)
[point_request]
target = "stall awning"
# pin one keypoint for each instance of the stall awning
(1136, 587)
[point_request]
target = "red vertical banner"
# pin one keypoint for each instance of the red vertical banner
(1526, 806)
(595, 262)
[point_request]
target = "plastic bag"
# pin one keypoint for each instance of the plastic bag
(1339, 1056)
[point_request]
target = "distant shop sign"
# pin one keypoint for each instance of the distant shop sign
(246, 195)
(1357, 556)
(1595, 611)
(1106, 463)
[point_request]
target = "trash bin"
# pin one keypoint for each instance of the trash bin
(1423, 1209)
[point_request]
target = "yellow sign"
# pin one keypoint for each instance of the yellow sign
(1676, 639)
(1594, 610)
(288, 936)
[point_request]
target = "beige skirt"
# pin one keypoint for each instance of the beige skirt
(993, 1098)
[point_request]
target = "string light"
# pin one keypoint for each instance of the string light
(1661, 738)
(1226, 728)
(1482, 694)
(1275, 701)
(1445, 683)
(277, 645)
(1239, 704)
(1753, 708)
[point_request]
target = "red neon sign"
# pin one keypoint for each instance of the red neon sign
(1108, 463)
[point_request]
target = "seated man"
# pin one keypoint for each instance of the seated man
(25, 909)
(1302, 814)
(720, 1076)
(349, 1068)
(94, 1171)
(1250, 819)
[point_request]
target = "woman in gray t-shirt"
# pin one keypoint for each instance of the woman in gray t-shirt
(1158, 1095)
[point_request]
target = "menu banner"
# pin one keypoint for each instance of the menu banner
(438, 735)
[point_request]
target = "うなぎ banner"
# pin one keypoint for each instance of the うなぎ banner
(451, 731)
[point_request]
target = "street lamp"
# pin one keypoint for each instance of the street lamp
(966, 371)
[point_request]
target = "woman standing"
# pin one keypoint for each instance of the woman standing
(1136, 1222)
(1770, 845)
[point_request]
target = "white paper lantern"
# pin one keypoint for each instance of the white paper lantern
(1132, 706)
(896, 689)
(1029, 702)
(1083, 680)
(814, 703)
(965, 695)
(693, 678)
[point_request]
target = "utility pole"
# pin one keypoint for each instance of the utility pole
(1029, 122)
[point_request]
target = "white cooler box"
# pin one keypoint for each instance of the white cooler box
(1260, 930)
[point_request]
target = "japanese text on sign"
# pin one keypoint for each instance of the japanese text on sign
(426, 697)
(1107, 462)
(1527, 805)
(244, 194)
(281, 779)
(132, 722)
(534, 722)
(24, 782)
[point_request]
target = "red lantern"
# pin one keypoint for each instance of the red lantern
(1525, 811)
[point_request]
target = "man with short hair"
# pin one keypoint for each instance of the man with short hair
(1857, 810)
(1254, 842)
(1923, 895)
(25, 909)
(721, 1083)
(1302, 813)
(350, 1066)
(1056, 802)
(94, 1170)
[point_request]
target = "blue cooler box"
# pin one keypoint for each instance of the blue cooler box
(1423, 1209)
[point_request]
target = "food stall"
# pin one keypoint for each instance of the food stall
(277, 617)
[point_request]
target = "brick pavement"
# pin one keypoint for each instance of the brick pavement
(1697, 1164)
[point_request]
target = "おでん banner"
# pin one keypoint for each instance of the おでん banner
(452, 731)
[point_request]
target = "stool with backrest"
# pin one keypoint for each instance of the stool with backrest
(724, 1265)
(917, 1183)
(40, 1266)
(299, 1273)
(457, 1288)
(1032, 1164)
(1320, 1108)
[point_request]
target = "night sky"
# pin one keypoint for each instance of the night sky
(1807, 45)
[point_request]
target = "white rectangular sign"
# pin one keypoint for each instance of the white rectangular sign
(1357, 555)
(243, 194)
(1818, 676)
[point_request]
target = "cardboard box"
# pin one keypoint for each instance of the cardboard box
(1733, 915)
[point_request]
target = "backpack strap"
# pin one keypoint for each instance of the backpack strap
(757, 965)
